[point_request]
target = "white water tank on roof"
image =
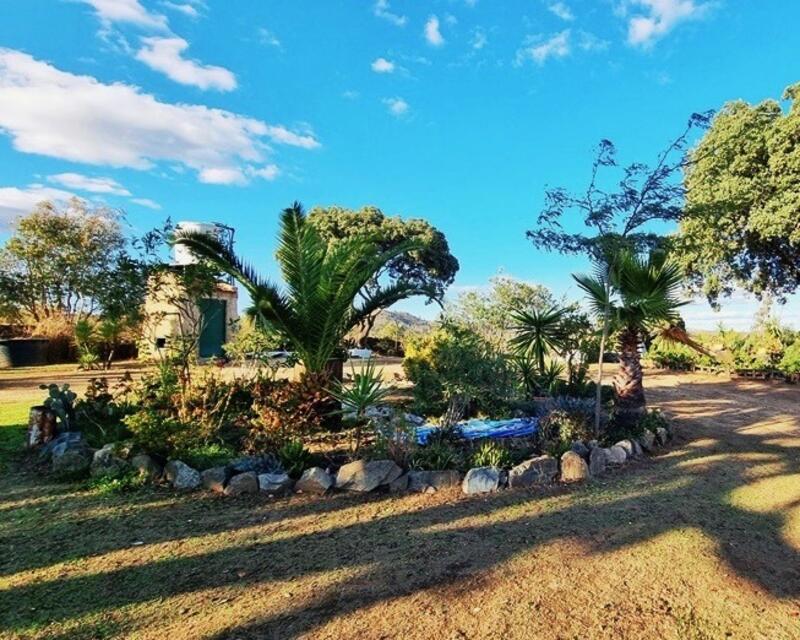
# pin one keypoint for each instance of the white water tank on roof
(181, 255)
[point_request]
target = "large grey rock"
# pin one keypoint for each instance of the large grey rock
(147, 467)
(379, 412)
(215, 478)
(242, 484)
(663, 435)
(597, 461)
(106, 462)
(648, 441)
(628, 446)
(71, 459)
(637, 449)
(581, 449)
(61, 442)
(366, 476)
(181, 476)
(483, 480)
(616, 455)
(423, 480)
(314, 480)
(399, 484)
(275, 484)
(535, 471)
(414, 419)
(258, 464)
(573, 468)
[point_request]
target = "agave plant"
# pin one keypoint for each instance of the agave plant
(365, 391)
(641, 296)
(326, 292)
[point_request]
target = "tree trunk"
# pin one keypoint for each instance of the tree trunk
(598, 396)
(628, 388)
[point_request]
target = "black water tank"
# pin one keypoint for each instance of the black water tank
(23, 352)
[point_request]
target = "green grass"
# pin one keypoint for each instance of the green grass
(13, 422)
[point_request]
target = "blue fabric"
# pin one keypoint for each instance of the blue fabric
(475, 429)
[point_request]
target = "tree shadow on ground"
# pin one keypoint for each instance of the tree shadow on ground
(447, 543)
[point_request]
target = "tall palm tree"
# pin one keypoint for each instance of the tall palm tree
(640, 296)
(538, 333)
(325, 294)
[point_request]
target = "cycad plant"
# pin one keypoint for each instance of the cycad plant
(640, 296)
(326, 291)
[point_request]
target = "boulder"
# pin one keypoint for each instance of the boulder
(70, 459)
(214, 479)
(637, 449)
(616, 455)
(61, 442)
(366, 476)
(259, 464)
(422, 480)
(648, 441)
(314, 480)
(106, 462)
(275, 484)
(663, 435)
(483, 480)
(379, 412)
(242, 484)
(414, 419)
(628, 446)
(147, 467)
(399, 484)
(581, 449)
(535, 471)
(181, 476)
(573, 468)
(597, 461)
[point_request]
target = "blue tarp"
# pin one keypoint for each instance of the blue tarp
(474, 429)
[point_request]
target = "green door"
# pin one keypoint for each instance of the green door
(212, 333)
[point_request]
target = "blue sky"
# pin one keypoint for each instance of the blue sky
(457, 111)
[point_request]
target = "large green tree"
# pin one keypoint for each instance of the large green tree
(72, 263)
(741, 225)
(429, 267)
(329, 287)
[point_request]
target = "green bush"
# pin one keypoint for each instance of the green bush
(205, 456)
(294, 457)
(491, 454)
(101, 412)
(568, 419)
(394, 440)
(128, 481)
(790, 362)
(158, 433)
(437, 455)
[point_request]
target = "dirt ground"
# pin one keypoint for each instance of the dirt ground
(701, 541)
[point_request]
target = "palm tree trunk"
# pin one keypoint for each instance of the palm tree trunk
(628, 387)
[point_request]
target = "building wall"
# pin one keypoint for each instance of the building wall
(169, 316)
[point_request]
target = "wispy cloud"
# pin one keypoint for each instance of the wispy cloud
(396, 106)
(146, 202)
(15, 202)
(129, 12)
(659, 18)
(382, 10)
(539, 51)
(266, 37)
(479, 39)
(189, 9)
(561, 10)
(118, 125)
(382, 65)
(166, 55)
(88, 183)
(432, 33)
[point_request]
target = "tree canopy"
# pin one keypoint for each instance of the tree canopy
(741, 225)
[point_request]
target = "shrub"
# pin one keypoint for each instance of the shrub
(491, 454)
(366, 390)
(129, 480)
(395, 440)
(294, 457)
(653, 420)
(455, 370)
(205, 456)
(567, 420)
(790, 362)
(437, 455)
(100, 413)
(158, 433)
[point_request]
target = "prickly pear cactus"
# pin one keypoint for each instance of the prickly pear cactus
(61, 400)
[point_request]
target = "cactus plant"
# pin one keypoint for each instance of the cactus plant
(60, 400)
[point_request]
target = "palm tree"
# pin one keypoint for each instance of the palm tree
(323, 282)
(640, 297)
(538, 333)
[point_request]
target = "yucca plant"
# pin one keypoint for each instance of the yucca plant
(326, 292)
(538, 333)
(641, 298)
(366, 390)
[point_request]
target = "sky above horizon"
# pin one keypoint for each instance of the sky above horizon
(461, 112)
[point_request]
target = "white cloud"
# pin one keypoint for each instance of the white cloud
(127, 11)
(479, 39)
(432, 33)
(396, 106)
(15, 202)
(662, 16)
(350, 94)
(382, 10)
(186, 8)
(222, 175)
(91, 184)
(58, 114)
(590, 42)
(270, 172)
(382, 65)
(266, 37)
(557, 46)
(146, 202)
(164, 55)
(562, 11)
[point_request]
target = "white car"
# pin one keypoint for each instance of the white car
(360, 354)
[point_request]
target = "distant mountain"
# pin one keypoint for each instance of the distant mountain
(404, 319)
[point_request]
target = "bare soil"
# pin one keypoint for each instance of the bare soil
(700, 541)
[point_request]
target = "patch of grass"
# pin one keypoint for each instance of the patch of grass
(13, 423)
